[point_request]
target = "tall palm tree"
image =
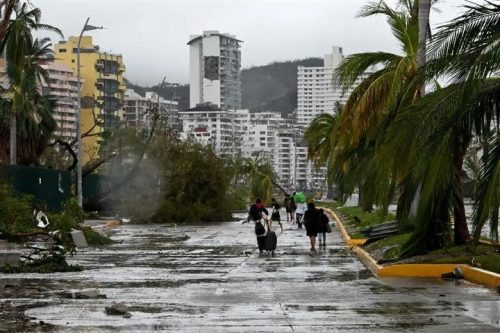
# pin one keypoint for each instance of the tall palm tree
(465, 51)
(382, 84)
(15, 46)
(33, 111)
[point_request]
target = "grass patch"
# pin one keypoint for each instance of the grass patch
(94, 238)
(328, 204)
(388, 248)
(485, 256)
(366, 220)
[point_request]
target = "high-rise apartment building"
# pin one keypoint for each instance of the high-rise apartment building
(138, 111)
(223, 129)
(102, 89)
(317, 92)
(215, 62)
(62, 88)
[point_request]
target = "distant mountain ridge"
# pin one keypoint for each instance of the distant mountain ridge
(271, 87)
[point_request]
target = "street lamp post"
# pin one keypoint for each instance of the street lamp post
(86, 27)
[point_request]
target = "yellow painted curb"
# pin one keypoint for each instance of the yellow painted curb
(343, 232)
(485, 242)
(404, 270)
(481, 276)
(472, 274)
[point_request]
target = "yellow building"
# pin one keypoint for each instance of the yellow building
(103, 88)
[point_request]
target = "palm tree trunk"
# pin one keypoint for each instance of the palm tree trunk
(424, 7)
(7, 7)
(461, 230)
(363, 200)
(13, 139)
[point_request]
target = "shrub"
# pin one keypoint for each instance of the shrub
(16, 215)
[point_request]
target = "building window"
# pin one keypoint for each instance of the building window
(62, 50)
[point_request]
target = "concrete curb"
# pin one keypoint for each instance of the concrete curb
(472, 274)
(343, 232)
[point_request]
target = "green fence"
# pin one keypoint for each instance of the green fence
(49, 187)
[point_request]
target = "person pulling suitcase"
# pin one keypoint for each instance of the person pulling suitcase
(257, 213)
(271, 240)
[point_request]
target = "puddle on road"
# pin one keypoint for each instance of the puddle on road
(310, 308)
(339, 276)
(391, 308)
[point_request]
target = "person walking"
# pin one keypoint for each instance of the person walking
(275, 215)
(293, 208)
(311, 222)
(256, 214)
(286, 203)
(299, 213)
(322, 228)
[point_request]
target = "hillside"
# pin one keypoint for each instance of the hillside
(271, 87)
(178, 91)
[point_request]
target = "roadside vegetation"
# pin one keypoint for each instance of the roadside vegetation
(357, 219)
(403, 137)
(18, 221)
(18, 224)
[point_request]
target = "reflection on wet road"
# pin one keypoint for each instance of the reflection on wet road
(211, 279)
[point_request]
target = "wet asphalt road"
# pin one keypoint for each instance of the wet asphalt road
(211, 279)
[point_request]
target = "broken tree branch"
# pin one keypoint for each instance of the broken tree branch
(70, 151)
(126, 179)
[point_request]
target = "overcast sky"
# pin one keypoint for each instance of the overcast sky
(152, 34)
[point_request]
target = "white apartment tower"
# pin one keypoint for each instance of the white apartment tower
(62, 88)
(137, 111)
(223, 129)
(215, 62)
(316, 91)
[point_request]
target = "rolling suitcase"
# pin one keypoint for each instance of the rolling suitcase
(270, 241)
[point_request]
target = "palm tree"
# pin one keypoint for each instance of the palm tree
(465, 50)
(261, 178)
(382, 84)
(33, 111)
(15, 46)
(6, 9)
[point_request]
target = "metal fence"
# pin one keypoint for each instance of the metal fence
(50, 188)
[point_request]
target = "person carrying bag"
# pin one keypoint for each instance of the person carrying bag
(256, 214)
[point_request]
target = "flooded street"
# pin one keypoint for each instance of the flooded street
(212, 279)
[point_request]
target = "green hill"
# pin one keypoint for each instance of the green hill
(179, 92)
(271, 87)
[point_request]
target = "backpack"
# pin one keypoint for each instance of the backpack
(259, 229)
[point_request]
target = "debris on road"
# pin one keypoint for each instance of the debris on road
(79, 238)
(118, 309)
(456, 274)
